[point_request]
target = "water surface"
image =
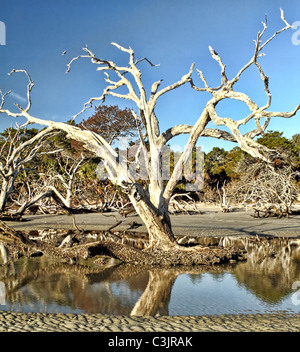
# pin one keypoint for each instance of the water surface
(262, 284)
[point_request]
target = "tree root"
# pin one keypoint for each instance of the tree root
(174, 256)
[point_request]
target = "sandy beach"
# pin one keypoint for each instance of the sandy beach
(211, 221)
(41, 322)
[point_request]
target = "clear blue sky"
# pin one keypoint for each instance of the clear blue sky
(172, 33)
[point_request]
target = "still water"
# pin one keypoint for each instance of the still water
(266, 282)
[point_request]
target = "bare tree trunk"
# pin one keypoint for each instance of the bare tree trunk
(6, 190)
(3, 194)
(156, 219)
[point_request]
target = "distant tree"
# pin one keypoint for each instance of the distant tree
(275, 140)
(215, 166)
(286, 149)
(296, 142)
(220, 165)
(233, 157)
(111, 122)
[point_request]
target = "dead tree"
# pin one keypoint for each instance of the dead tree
(14, 155)
(179, 204)
(269, 191)
(58, 186)
(224, 199)
(151, 199)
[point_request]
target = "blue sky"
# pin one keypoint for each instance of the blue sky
(172, 33)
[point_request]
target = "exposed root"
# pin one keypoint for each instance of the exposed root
(175, 255)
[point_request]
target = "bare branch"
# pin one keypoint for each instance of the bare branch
(216, 57)
(173, 132)
(22, 111)
(75, 59)
(29, 87)
(259, 46)
(149, 62)
(3, 98)
(187, 129)
(155, 87)
(287, 26)
(286, 115)
(93, 58)
(219, 134)
(226, 91)
(184, 79)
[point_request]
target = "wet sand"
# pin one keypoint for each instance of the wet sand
(42, 322)
(211, 222)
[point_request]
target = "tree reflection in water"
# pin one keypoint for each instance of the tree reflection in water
(43, 284)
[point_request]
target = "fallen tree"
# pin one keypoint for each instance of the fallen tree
(151, 197)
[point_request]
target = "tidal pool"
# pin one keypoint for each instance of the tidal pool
(269, 281)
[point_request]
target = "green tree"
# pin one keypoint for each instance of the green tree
(288, 153)
(296, 143)
(215, 166)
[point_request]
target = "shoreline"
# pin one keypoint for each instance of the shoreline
(210, 222)
(59, 322)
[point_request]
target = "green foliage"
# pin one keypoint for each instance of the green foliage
(220, 165)
(288, 148)
(296, 143)
(88, 170)
(274, 140)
